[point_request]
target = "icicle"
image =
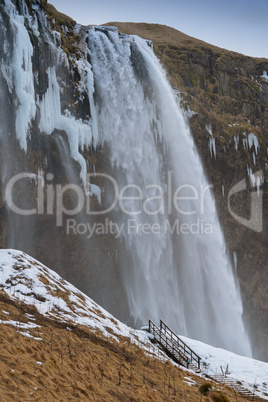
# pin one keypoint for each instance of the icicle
(22, 74)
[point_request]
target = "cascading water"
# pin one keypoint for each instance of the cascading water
(185, 279)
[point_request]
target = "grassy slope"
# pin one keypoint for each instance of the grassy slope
(161, 35)
(78, 364)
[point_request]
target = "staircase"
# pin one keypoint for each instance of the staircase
(182, 354)
(232, 383)
(174, 346)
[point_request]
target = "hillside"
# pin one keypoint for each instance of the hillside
(56, 343)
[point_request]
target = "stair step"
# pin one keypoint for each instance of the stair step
(174, 349)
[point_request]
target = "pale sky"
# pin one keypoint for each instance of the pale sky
(238, 25)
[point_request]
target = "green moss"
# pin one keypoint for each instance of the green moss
(205, 388)
(194, 80)
(257, 89)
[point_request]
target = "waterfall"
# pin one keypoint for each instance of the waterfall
(184, 278)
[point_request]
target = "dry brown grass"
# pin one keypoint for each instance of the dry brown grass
(78, 364)
(162, 35)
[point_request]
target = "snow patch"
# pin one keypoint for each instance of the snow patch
(264, 76)
(211, 141)
(252, 373)
(25, 279)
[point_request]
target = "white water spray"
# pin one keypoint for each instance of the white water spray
(186, 279)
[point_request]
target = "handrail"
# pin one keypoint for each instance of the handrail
(182, 345)
(174, 344)
(165, 341)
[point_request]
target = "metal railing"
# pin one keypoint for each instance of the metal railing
(184, 348)
(167, 343)
(173, 344)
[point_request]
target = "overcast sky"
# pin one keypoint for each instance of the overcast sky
(239, 25)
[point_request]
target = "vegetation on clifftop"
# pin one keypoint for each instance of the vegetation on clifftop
(210, 79)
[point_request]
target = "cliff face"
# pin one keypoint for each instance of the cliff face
(55, 48)
(228, 93)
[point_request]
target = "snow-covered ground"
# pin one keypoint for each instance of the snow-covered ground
(24, 278)
(252, 373)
